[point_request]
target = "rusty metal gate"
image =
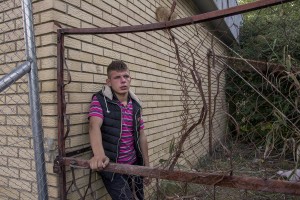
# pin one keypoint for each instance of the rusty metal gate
(204, 148)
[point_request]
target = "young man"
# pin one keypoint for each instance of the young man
(117, 135)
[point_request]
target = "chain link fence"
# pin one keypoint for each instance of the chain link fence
(19, 148)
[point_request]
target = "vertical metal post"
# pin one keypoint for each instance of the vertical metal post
(36, 122)
(209, 102)
(60, 113)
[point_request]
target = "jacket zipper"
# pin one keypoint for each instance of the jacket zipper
(138, 137)
(118, 145)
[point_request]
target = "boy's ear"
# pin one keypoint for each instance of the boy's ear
(108, 82)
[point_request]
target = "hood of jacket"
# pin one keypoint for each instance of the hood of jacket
(107, 92)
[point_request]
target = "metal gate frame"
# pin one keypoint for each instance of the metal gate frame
(64, 159)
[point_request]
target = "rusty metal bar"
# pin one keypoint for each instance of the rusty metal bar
(248, 183)
(179, 22)
(60, 113)
(210, 148)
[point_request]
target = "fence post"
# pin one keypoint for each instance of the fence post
(34, 99)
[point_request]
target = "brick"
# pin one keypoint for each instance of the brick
(19, 163)
(49, 121)
(88, 87)
(73, 87)
(49, 86)
(132, 21)
(112, 37)
(140, 62)
(114, 4)
(87, 67)
(102, 5)
(47, 63)
(20, 45)
(3, 141)
(79, 140)
(3, 181)
(81, 56)
(53, 192)
(80, 14)
(99, 79)
(47, 74)
(17, 120)
(10, 193)
(45, 28)
(29, 195)
(26, 153)
(91, 9)
(127, 58)
(48, 39)
(101, 60)
(14, 57)
(74, 65)
(19, 184)
(12, 14)
(112, 54)
(119, 14)
(111, 19)
(49, 110)
(120, 48)
(72, 42)
(100, 22)
(48, 97)
(22, 88)
(7, 130)
(60, 5)
(134, 8)
(46, 51)
(82, 77)
(52, 179)
(145, 3)
(140, 5)
(92, 49)
(3, 161)
(7, 47)
(6, 5)
(135, 53)
(73, 108)
(8, 109)
(18, 142)
(50, 132)
(78, 118)
(9, 172)
(63, 18)
(42, 6)
(128, 43)
(76, 129)
(74, 2)
(79, 98)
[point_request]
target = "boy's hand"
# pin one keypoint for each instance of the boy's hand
(98, 162)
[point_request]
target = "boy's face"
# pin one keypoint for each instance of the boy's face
(119, 81)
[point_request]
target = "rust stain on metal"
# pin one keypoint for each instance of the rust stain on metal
(179, 22)
(224, 180)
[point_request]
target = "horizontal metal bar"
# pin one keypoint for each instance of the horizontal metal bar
(14, 75)
(248, 183)
(179, 22)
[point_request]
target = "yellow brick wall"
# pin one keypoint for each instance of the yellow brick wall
(17, 176)
(150, 57)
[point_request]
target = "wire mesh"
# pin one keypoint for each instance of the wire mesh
(207, 109)
(17, 163)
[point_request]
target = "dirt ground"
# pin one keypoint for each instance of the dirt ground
(245, 162)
